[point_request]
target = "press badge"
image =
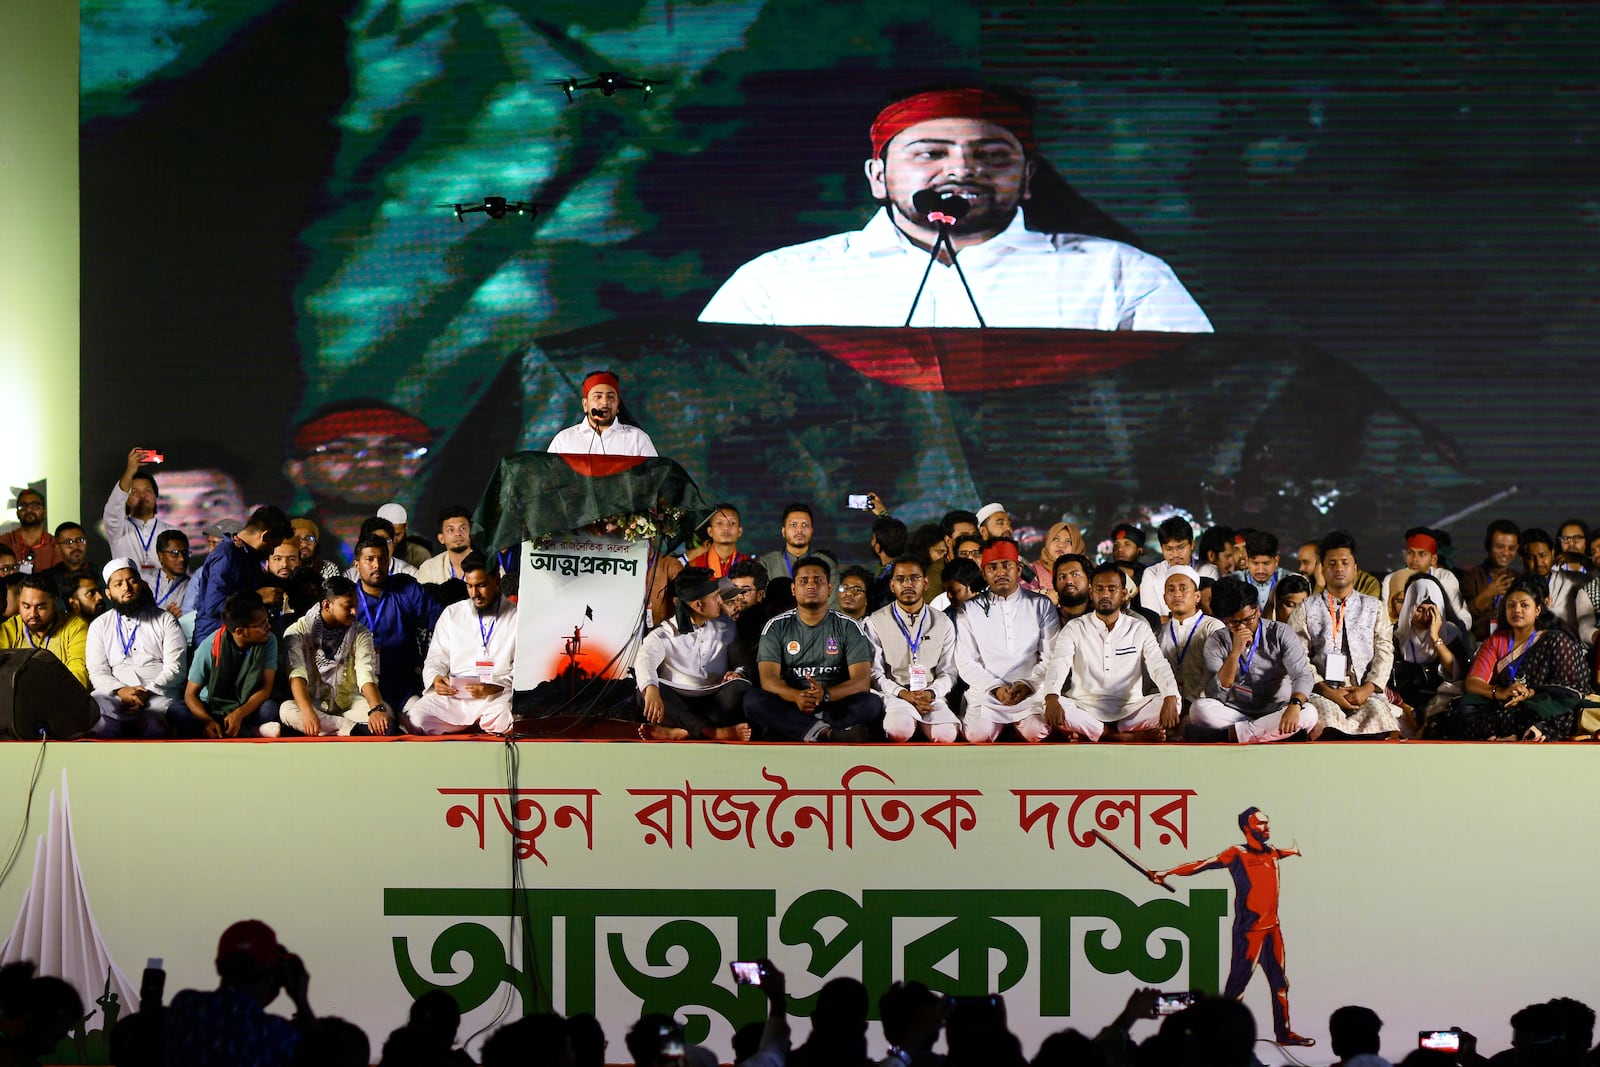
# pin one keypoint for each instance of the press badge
(485, 671)
(1243, 692)
(919, 678)
(1338, 666)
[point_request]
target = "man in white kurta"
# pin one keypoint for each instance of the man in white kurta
(599, 433)
(914, 660)
(466, 678)
(1003, 637)
(1184, 631)
(136, 656)
(1107, 656)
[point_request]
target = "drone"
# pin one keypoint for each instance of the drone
(497, 207)
(608, 82)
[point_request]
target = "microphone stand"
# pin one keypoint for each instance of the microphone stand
(944, 223)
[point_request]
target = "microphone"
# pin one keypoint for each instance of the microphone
(941, 209)
(597, 413)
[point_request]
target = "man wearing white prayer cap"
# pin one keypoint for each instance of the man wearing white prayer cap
(137, 657)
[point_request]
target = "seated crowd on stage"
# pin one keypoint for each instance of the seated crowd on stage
(216, 1027)
(945, 632)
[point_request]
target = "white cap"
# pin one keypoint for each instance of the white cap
(395, 513)
(1187, 571)
(118, 564)
(987, 510)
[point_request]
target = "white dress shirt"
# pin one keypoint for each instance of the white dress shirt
(459, 643)
(693, 662)
(133, 538)
(1019, 277)
(1108, 667)
(618, 439)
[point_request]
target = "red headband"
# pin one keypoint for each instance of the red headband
(339, 424)
(951, 104)
(1424, 542)
(1000, 550)
(601, 377)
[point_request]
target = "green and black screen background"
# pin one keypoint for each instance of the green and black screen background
(1412, 188)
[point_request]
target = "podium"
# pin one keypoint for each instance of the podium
(587, 530)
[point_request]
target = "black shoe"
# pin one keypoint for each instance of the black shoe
(850, 734)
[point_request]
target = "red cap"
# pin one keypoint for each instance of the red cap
(251, 938)
(384, 420)
(1000, 550)
(1423, 541)
(951, 104)
(601, 377)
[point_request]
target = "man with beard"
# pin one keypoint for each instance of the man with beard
(1072, 573)
(130, 520)
(799, 525)
(1003, 638)
(333, 669)
(1107, 655)
(467, 675)
(40, 623)
(455, 534)
(394, 607)
(977, 146)
(35, 549)
(84, 597)
(136, 657)
(308, 535)
(1184, 632)
(72, 551)
(815, 668)
(599, 432)
(172, 577)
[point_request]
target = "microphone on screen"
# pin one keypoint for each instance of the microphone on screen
(941, 209)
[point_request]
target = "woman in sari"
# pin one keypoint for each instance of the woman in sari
(1526, 681)
(1062, 540)
(1430, 650)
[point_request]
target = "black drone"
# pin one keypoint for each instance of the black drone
(608, 82)
(497, 207)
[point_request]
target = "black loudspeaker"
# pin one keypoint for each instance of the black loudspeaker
(38, 693)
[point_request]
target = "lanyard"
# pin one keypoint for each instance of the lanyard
(35, 644)
(788, 564)
(1187, 640)
(492, 625)
(144, 542)
(1515, 665)
(1248, 657)
(502, 557)
(366, 613)
(161, 598)
(922, 630)
(1337, 616)
(127, 642)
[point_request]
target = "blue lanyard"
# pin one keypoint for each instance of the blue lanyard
(366, 614)
(35, 644)
(492, 625)
(1248, 657)
(127, 642)
(1516, 665)
(922, 630)
(161, 598)
(144, 542)
(503, 558)
(788, 564)
(1187, 640)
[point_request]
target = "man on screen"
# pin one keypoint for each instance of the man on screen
(976, 145)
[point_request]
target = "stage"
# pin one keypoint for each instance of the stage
(1439, 883)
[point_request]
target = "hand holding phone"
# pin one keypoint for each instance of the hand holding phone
(747, 972)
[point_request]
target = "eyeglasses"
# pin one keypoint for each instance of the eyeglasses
(10, 568)
(30, 505)
(181, 553)
(853, 589)
(1572, 539)
(309, 539)
(73, 541)
(907, 579)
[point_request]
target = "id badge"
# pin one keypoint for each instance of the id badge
(1337, 669)
(919, 678)
(485, 671)
(1243, 693)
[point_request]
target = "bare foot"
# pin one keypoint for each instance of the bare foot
(1315, 732)
(741, 732)
(650, 731)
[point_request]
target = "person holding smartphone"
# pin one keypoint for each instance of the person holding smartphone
(130, 520)
(215, 1028)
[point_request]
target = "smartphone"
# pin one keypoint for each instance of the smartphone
(152, 988)
(746, 972)
(150, 455)
(859, 502)
(1172, 1003)
(1440, 1040)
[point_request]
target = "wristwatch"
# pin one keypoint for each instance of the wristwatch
(826, 696)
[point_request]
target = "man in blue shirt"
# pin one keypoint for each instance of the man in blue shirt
(396, 608)
(235, 565)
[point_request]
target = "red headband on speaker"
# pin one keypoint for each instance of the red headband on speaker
(1000, 550)
(601, 377)
(951, 104)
